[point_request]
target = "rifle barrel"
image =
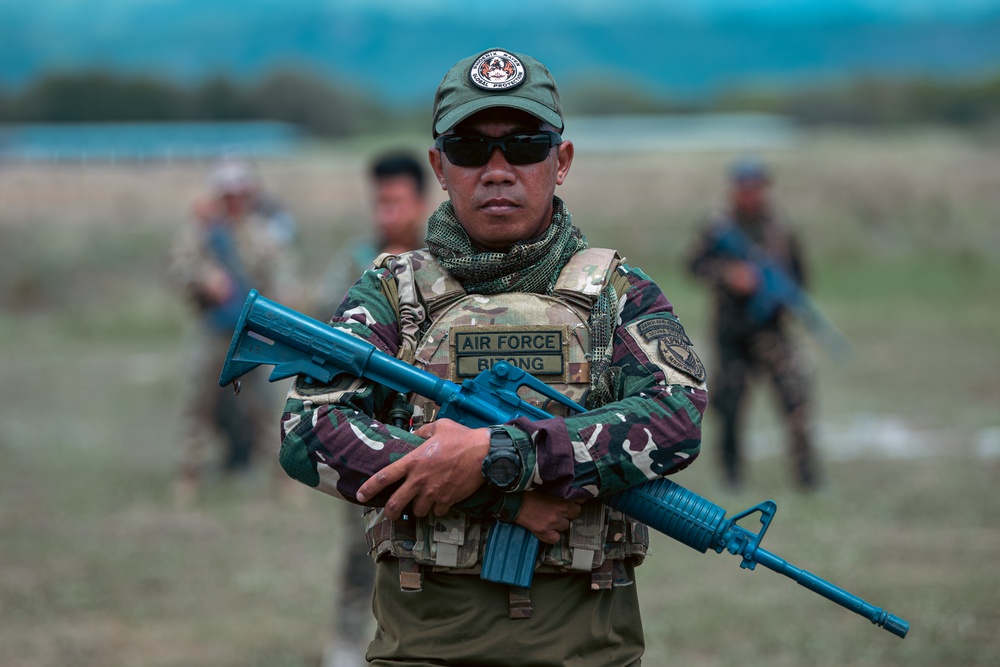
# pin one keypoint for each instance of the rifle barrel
(876, 615)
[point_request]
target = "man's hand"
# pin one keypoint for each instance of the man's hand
(207, 210)
(445, 469)
(216, 285)
(741, 277)
(546, 516)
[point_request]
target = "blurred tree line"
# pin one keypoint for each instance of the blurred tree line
(323, 108)
(316, 105)
(873, 101)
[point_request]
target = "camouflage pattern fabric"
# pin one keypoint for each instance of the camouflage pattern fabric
(769, 351)
(529, 266)
(743, 349)
(430, 297)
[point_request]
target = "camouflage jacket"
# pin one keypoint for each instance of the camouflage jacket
(331, 439)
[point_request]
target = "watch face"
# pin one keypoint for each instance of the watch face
(503, 471)
(502, 466)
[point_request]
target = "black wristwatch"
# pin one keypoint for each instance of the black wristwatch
(502, 465)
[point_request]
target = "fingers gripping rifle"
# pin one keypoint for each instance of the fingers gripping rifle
(271, 334)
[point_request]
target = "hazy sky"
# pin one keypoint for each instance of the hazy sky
(692, 9)
(356, 38)
(697, 9)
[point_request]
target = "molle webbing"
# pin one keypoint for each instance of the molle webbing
(422, 288)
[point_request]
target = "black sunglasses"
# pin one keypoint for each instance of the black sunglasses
(473, 150)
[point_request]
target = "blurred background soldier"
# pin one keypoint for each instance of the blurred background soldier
(400, 214)
(747, 342)
(239, 239)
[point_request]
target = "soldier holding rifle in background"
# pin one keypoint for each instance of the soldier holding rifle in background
(750, 339)
(237, 239)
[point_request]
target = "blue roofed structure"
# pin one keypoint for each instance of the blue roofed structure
(82, 142)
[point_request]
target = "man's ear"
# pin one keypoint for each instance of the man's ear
(434, 155)
(565, 156)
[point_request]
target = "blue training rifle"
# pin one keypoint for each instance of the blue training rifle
(271, 334)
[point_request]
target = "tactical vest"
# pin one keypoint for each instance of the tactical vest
(455, 335)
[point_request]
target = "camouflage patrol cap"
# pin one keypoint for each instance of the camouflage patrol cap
(233, 175)
(496, 78)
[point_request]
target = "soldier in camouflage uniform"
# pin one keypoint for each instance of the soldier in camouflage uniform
(238, 240)
(400, 210)
(506, 275)
(743, 344)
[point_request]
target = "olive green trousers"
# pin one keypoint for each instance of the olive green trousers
(459, 619)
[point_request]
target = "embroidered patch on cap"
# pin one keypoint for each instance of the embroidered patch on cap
(497, 70)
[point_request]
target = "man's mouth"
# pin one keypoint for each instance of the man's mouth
(498, 205)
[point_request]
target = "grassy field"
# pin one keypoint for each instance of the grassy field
(97, 568)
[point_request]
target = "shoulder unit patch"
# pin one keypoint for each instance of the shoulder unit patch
(672, 345)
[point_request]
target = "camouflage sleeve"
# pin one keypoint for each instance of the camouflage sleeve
(331, 439)
(653, 429)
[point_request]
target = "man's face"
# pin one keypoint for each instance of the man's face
(399, 209)
(237, 204)
(750, 197)
(499, 203)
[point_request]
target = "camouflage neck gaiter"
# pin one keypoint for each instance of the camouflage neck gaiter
(529, 266)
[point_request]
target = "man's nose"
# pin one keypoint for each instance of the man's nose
(497, 168)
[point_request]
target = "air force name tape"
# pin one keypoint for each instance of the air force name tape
(497, 70)
(536, 349)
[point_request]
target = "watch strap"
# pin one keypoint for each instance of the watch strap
(509, 508)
